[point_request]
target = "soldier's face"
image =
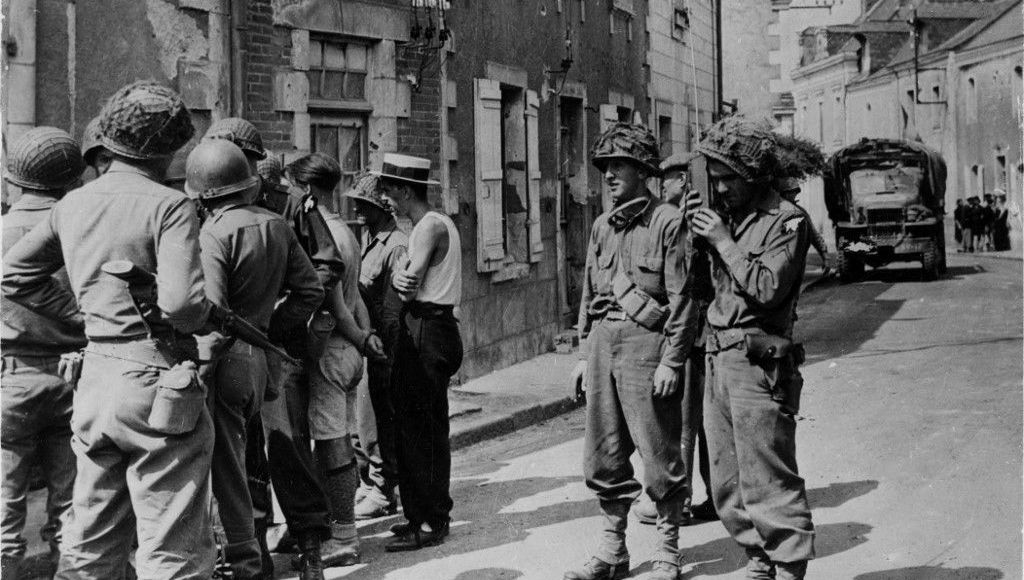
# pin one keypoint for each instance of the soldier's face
(624, 180)
(673, 185)
(735, 193)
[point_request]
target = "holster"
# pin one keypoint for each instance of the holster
(764, 347)
(638, 305)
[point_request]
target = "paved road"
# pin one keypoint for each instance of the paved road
(910, 443)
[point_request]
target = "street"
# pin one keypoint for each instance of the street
(910, 443)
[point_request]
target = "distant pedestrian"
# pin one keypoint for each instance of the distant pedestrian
(1001, 223)
(637, 325)
(958, 220)
(971, 223)
(36, 422)
(759, 247)
(428, 354)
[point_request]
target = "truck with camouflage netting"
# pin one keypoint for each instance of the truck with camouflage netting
(886, 200)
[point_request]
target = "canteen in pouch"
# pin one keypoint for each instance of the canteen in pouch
(179, 400)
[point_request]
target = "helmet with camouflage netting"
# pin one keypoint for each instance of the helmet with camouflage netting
(91, 140)
(627, 141)
(744, 145)
(145, 120)
(270, 169)
(241, 133)
(44, 158)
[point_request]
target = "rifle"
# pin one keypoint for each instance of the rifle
(142, 286)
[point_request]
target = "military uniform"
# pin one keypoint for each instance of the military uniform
(383, 255)
(250, 258)
(36, 400)
(643, 242)
(133, 480)
(750, 406)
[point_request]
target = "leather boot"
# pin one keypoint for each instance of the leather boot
(311, 566)
(759, 566)
(598, 569)
(790, 570)
(663, 571)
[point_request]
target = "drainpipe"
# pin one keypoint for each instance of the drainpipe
(716, 111)
(72, 14)
(237, 9)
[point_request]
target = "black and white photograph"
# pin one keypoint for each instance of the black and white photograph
(512, 290)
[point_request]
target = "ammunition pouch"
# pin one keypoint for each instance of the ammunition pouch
(638, 305)
(179, 400)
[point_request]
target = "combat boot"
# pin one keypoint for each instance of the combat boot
(311, 567)
(790, 570)
(598, 569)
(759, 566)
(341, 549)
(663, 571)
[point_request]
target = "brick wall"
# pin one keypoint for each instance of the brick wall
(420, 133)
(268, 48)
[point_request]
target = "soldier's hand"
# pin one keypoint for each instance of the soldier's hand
(666, 381)
(579, 375)
(405, 282)
(709, 224)
(691, 203)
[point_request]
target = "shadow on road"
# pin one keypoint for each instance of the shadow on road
(934, 573)
(724, 556)
(836, 494)
(489, 574)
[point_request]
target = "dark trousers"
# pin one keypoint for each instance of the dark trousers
(290, 466)
(375, 424)
(428, 353)
(236, 394)
(749, 416)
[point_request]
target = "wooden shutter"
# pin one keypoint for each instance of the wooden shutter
(533, 175)
(490, 246)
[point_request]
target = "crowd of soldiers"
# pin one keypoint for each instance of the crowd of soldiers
(168, 356)
(161, 347)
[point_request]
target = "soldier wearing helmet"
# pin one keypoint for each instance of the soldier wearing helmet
(141, 424)
(287, 461)
(759, 251)
(36, 402)
(637, 325)
(250, 258)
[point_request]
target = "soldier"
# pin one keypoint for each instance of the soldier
(384, 254)
(143, 437)
(283, 417)
(96, 157)
(789, 189)
(36, 402)
(428, 353)
(693, 441)
(759, 248)
(250, 258)
(636, 328)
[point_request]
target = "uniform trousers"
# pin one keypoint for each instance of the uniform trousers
(135, 482)
(428, 353)
(749, 419)
(375, 426)
(285, 428)
(236, 395)
(693, 439)
(622, 417)
(36, 428)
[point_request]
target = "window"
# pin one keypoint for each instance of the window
(937, 108)
(342, 137)
(1002, 176)
(972, 101)
(821, 122)
(507, 175)
(681, 22)
(665, 136)
(337, 71)
(837, 120)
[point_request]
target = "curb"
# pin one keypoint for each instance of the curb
(994, 257)
(504, 424)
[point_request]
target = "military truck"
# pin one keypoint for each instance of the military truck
(886, 200)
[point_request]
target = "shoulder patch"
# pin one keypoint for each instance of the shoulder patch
(792, 223)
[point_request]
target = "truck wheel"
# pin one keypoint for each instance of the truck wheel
(849, 267)
(930, 262)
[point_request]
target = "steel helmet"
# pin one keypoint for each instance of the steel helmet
(270, 169)
(216, 168)
(44, 158)
(91, 140)
(240, 132)
(744, 145)
(627, 141)
(145, 120)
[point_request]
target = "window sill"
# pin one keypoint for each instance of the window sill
(360, 106)
(511, 271)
